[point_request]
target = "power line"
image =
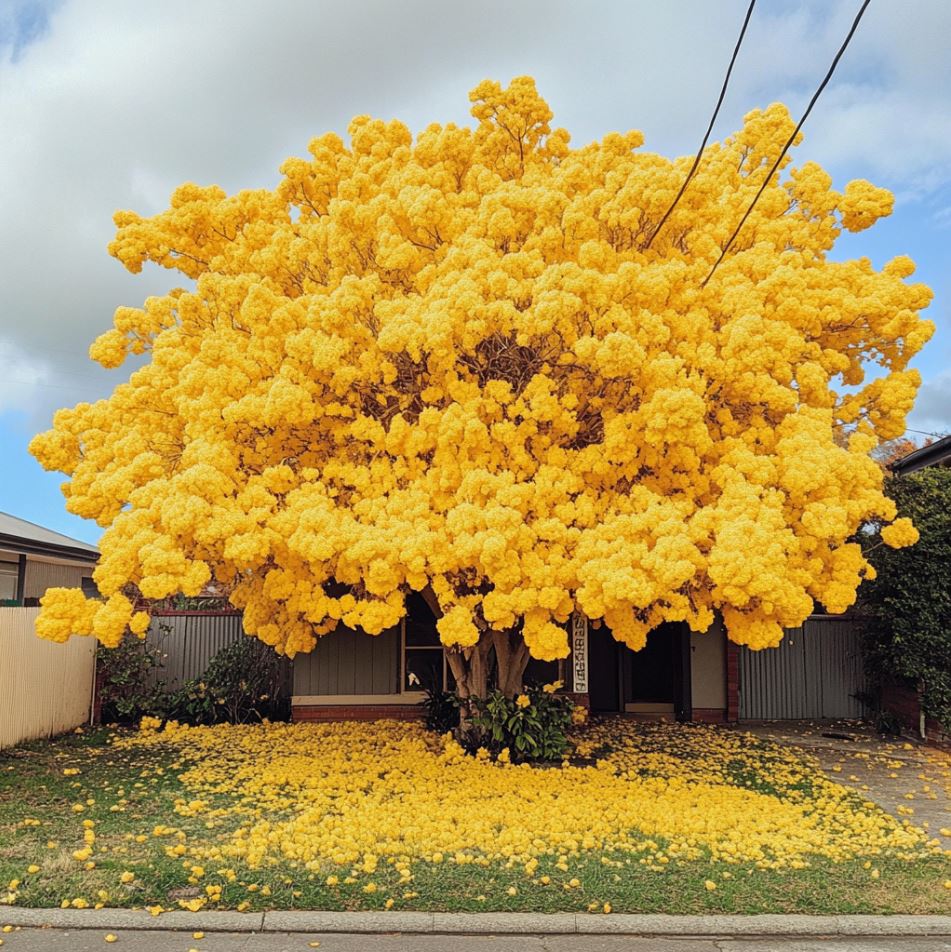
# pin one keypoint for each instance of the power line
(713, 119)
(789, 141)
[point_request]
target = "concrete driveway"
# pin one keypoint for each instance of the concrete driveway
(907, 778)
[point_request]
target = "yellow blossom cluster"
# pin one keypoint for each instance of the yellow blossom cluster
(900, 533)
(356, 795)
(458, 363)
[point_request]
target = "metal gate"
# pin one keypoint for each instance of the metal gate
(815, 673)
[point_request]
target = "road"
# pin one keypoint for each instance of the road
(90, 940)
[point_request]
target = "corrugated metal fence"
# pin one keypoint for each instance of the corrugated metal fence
(187, 641)
(815, 673)
(45, 688)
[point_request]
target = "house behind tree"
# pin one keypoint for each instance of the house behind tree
(33, 559)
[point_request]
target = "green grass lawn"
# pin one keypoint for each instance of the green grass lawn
(127, 793)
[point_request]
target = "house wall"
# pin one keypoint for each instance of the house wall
(351, 674)
(708, 673)
(41, 575)
(347, 663)
(45, 688)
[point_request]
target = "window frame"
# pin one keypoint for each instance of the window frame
(14, 574)
(404, 648)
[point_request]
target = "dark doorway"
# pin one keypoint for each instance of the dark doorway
(654, 680)
(542, 672)
(603, 679)
(649, 673)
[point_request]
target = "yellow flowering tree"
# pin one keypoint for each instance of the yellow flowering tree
(455, 364)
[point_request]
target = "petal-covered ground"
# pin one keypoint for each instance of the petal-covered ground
(387, 815)
(357, 793)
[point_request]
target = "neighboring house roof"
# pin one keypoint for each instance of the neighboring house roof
(31, 539)
(935, 454)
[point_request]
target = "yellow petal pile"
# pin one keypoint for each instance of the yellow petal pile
(358, 794)
(453, 360)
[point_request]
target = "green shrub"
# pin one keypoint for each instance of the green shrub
(125, 677)
(441, 710)
(242, 683)
(532, 726)
(908, 605)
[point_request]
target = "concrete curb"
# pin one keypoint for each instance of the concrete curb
(482, 923)
(138, 919)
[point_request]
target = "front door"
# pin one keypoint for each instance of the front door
(649, 675)
(604, 682)
(654, 680)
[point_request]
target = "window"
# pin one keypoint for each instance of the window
(89, 587)
(424, 661)
(8, 581)
(424, 664)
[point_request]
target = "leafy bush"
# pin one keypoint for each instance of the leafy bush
(242, 683)
(441, 709)
(530, 726)
(908, 605)
(125, 681)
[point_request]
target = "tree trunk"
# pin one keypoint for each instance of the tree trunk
(512, 657)
(470, 667)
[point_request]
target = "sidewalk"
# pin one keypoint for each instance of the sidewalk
(471, 924)
(46, 940)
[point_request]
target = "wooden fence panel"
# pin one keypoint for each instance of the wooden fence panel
(815, 673)
(45, 688)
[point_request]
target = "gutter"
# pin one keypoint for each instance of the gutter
(45, 548)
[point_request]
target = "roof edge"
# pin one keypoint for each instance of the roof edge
(924, 456)
(31, 547)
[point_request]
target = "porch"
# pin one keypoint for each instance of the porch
(679, 675)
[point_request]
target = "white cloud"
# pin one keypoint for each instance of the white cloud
(932, 413)
(21, 378)
(942, 217)
(116, 103)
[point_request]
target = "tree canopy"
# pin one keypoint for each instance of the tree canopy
(455, 364)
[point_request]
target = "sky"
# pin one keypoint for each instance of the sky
(106, 104)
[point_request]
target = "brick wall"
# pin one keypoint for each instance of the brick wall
(905, 704)
(356, 712)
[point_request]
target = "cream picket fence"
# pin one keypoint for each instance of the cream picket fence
(45, 688)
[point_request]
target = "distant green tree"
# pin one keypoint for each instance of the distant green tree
(908, 605)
